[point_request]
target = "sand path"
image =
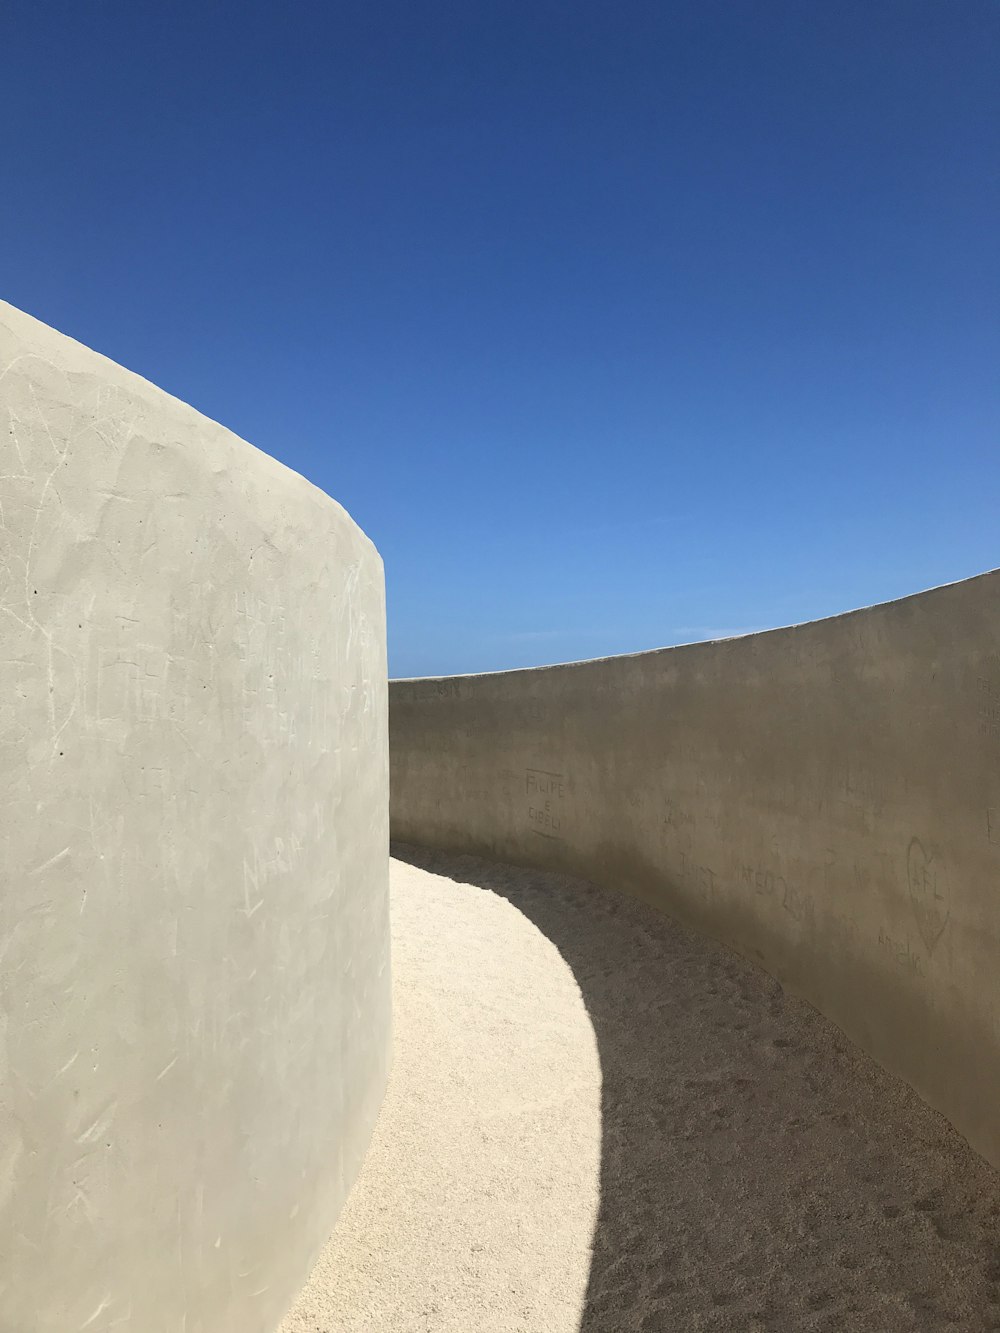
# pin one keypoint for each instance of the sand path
(600, 1121)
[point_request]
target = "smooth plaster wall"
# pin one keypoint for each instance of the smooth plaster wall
(825, 799)
(194, 987)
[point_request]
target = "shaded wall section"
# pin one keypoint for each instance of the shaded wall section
(194, 995)
(825, 799)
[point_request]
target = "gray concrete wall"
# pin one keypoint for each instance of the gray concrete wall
(194, 988)
(825, 799)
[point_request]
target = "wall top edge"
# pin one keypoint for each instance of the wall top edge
(69, 355)
(710, 643)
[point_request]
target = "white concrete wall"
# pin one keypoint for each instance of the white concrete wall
(826, 799)
(194, 987)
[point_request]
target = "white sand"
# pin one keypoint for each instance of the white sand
(575, 1070)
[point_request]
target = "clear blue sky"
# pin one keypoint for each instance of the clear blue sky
(614, 325)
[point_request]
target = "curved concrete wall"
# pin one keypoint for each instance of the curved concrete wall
(825, 799)
(194, 995)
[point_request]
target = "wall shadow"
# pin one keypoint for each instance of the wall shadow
(758, 1172)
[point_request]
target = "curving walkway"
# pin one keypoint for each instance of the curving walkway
(600, 1121)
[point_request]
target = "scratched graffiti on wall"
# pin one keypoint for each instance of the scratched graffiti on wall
(928, 893)
(546, 793)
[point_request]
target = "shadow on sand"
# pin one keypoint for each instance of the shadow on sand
(757, 1171)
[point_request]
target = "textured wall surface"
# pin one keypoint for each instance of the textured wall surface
(194, 994)
(825, 798)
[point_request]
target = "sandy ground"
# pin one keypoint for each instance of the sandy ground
(599, 1121)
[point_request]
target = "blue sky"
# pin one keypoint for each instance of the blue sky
(614, 326)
